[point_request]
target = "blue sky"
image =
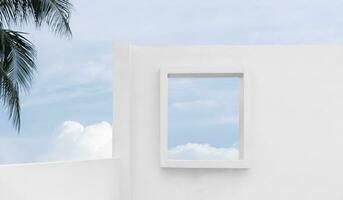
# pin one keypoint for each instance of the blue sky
(204, 110)
(203, 117)
(73, 87)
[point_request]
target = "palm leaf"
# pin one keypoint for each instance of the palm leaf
(16, 71)
(17, 54)
(9, 94)
(54, 13)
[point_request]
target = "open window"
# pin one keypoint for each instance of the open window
(202, 118)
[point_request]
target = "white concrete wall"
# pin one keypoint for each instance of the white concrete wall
(81, 180)
(296, 125)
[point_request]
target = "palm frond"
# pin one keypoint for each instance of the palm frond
(17, 70)
(14, 12)
(17, 54)
(19, 58)
(55, 13)
(9, 95)
(7, 12)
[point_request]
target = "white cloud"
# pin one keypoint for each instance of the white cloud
(224, 120)
(220, 120)
(96, 69)
(63, 94)
(179, 84)
(20, 150)
(193, 151)
(73, 141)
(198, 104)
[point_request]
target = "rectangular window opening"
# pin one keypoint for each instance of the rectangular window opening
(202, 119)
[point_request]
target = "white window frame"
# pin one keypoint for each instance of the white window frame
(201, 72)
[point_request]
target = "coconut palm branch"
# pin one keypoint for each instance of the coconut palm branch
(17, 53)
(17, 69)
(54, 13)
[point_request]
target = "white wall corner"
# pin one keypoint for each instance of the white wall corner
(122, 93)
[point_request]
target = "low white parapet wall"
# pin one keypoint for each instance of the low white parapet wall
(80, 180)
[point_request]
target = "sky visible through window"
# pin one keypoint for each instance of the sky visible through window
(203, 118)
